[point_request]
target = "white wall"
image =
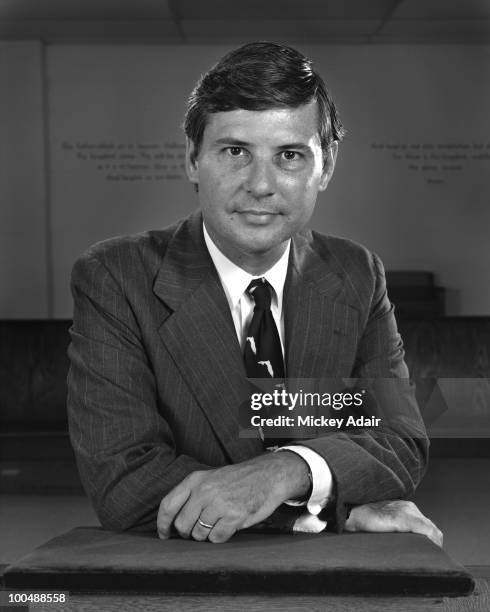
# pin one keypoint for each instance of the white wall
(24, 277)
(396, 101)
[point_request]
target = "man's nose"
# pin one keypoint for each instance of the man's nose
(260, 181)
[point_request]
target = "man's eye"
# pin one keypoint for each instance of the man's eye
(290, 155)
(235, 151)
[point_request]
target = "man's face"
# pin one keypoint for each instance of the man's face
(259, 174)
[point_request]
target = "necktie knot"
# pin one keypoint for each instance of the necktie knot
(260, 290)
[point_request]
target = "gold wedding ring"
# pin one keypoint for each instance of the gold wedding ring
(203, 524)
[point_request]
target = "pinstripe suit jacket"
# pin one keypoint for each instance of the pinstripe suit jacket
(157, 373)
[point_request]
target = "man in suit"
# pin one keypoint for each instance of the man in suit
(163, 321)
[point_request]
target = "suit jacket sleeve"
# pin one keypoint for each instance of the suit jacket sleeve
(377, 464)
(125, 450)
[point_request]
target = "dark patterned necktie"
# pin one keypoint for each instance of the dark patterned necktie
(262, 352)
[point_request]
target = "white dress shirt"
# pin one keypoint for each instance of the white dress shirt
(235, 281)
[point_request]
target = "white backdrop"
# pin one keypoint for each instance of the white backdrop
(412, 180)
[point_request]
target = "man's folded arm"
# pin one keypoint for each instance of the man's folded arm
(375, 464)
(124, 448)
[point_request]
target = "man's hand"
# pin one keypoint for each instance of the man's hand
(232, 497)
(394, 515)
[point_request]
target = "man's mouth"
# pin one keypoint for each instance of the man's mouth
(254, 211)
(257, 217)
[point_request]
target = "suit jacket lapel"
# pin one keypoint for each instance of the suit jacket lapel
(319, 322)
(200, 336)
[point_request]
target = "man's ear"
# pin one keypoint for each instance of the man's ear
(191, 163)
(329, 160)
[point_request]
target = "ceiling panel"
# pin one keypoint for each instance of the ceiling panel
(284, 9)
(163, 31)
(461, 31)
(318, 31)
(442, 9)
(86, 10)
(215, 21)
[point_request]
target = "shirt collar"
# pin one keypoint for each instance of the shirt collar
(235, 280)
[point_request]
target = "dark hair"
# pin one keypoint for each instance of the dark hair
(260, 76)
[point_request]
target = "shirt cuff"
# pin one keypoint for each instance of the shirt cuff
(309, 523)
(321, 478)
